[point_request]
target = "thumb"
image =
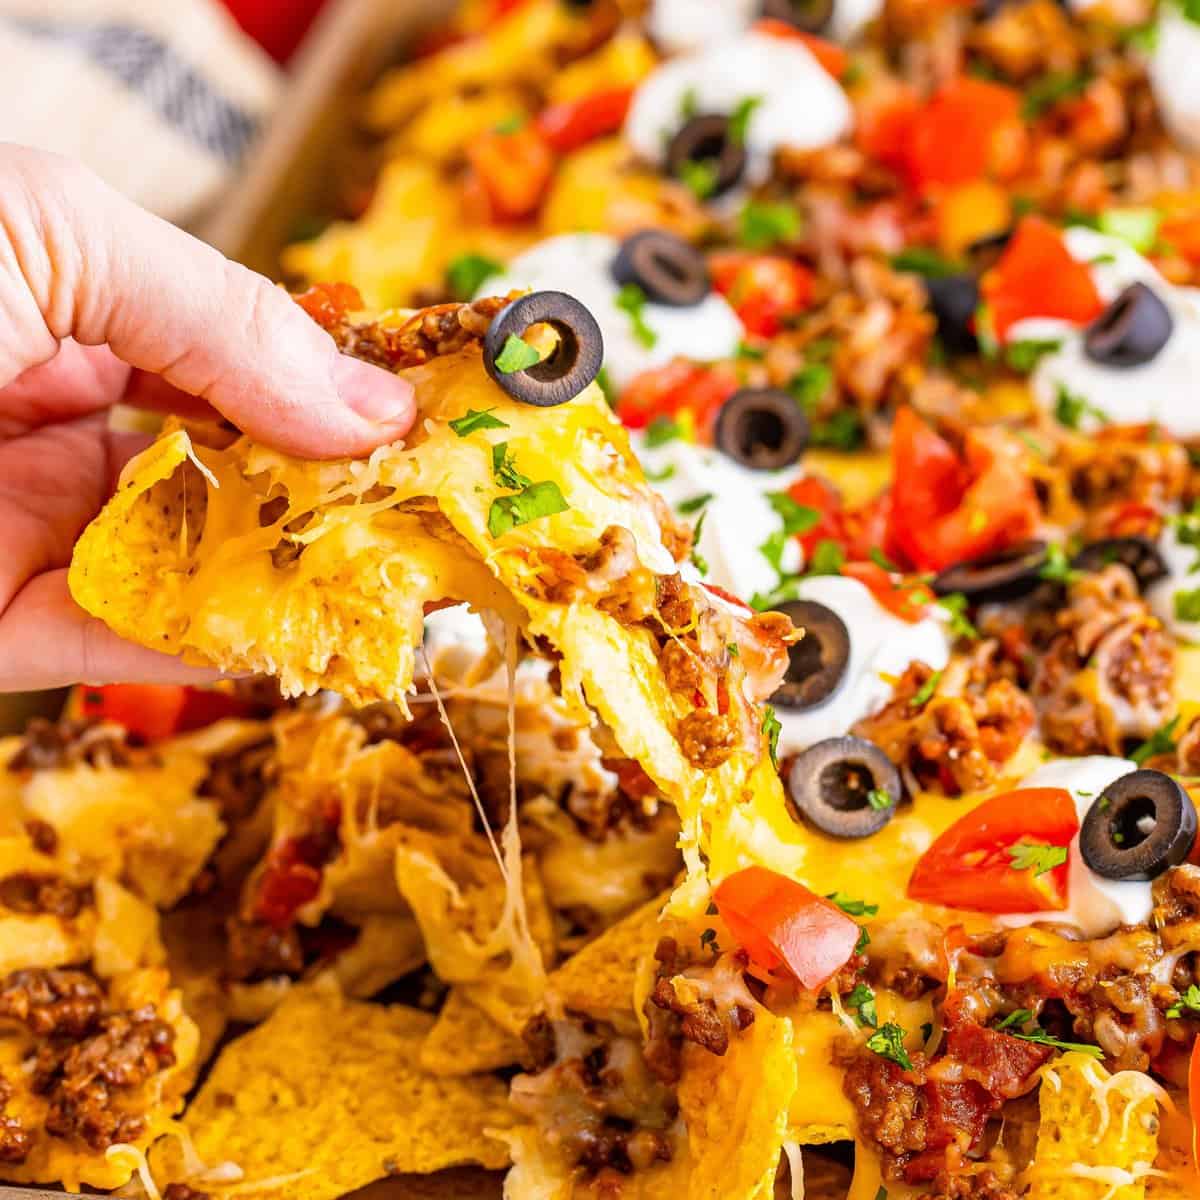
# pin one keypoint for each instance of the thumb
(77, 259)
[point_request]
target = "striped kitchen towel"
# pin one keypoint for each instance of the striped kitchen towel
(163, 98)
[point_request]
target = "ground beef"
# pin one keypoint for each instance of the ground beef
(47, 745)
(239, 779)
(15, 1139)
(258, 950)
(52, 1001)
(675, 603)
(43, 835)
(707, 739)
(429, 333)
(32, 893)
(82, 1079)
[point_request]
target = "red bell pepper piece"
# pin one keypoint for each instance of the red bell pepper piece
(156, 711)
(780, 923)
(764, 289)
(1037, 277)
(514, 169)
(976, 863)
(566, 127)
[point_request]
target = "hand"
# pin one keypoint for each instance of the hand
(102, 303)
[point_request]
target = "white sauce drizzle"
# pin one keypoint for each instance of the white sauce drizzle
(1173, 75)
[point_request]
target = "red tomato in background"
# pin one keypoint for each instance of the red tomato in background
(156, 711)
(946, 509)
(908, 601)
(679, 387)
(513, 169)
(970, 865)
(764, 289)
(1037, 277)
(780, 923)
(1194, 1101)
(566, 127)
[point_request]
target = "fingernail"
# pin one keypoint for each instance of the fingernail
(372, 392)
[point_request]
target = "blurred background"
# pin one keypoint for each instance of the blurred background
(164, 98)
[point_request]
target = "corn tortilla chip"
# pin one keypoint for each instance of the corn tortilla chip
(465, 1040)
(330, 1088)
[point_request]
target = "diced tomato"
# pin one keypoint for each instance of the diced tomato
(1194, 1101)
(780, 923)
(156, 711)
(971, 865)
(290, 879)
(883, 121)
(830, 55)
(1182, 234)
(328, 303)
(818, 494)
(727, 596)
(764, 289)
(568, 126)
(969, 129)
(514, 169)
(908, 600)
(1133, 518)
(681, 387)
(1037, 277)
(946, 509)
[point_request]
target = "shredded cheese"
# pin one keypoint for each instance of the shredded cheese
(840, 1012)
(141, 1166)
(795, 1168)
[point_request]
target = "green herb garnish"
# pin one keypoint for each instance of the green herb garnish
(467, 273)
(852, 907)
(739, 119)
(1057, 567)
(862, 1000)
(1049, 90)
(632, 300)
(517, 355)
(1070, 408)
(762, 226)
(1030, 1031)
(955, 605)
(700, 178)
(694, 503)
(1161, 741)
(827, 559)
(772, 728)
(530, 504)
(888, 1042)
(474, 419)
(662, 430)
(925, 691)
(1024, 355)
(1188, 1002)
(921, 260)
(1187, 605)
(879, 799)
(504, 469)
(1032, 856)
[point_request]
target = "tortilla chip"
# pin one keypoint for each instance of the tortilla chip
(600, 981)
(457, 1183)
(736, 1110)
(824, 1178)
(1097, 1134)
(327, 1092)
(465, 1040)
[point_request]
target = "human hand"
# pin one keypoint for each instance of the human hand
(103, 303)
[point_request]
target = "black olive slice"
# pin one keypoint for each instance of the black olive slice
(954, 300)
(1139, 554)
(707, 140)
(1131, 330)
(1005, 575)
(665, 267)
(1140, 825)
(811, 16)
(574, 363)
(817, 662)
(846, 786)
(761, 428)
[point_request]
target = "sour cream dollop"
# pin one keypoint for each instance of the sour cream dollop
(1097, 906)
(580, 265)
(799, 104)
(1161, 391)
(738, 518)
(882, 647)
(679, 25)
(1173, 75)
(1180, 559)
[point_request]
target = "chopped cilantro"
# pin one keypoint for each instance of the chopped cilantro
(517, 355)
(926, 690)
(698, 560)
(955, 605)
(888, 1042)
(700, 178)
(694, 503)
(880, 559)
(1057, 567)
(862, 1000)
(842, 430)
(1189, 1002)
(882, 1194)
(605, 384)
(852, 907)
(662, 430)
(1141, 37)
(787, 589)
(1044, 93)
(1025, 354)
(752, 353)
(1032, 856)
(879, 799)
(504, 469)
(739, 119)
(467, 273)
(531, 503)
(1161, 741)
(864, 940)
(921, 260)
(1021, 1024)
(827, 559)
(510, 125)
(1187, 605)
(1186, 526)
(689, 104)
(733, 650)
(663, 475)
(761, 226)
(772, 728)
(474, 419)
(632, 300)
(810, 384)
(1070, 408)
